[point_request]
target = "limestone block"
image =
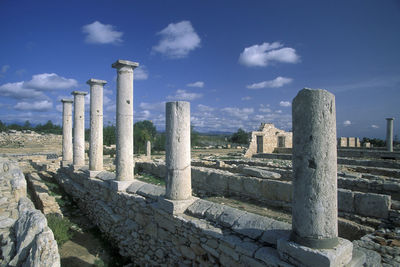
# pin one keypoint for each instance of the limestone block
(299, 255)
(260, 173)
(151, 191)
(199, 207)
(372, 205)
(345, 200)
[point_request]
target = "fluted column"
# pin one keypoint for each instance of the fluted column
(389, 134)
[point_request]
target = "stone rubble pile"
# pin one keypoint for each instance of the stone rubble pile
(21, 139)
(25, 238)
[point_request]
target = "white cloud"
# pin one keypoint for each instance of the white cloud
(141, 73)
(275, 83)
(262, 55)
(177, 40)
(246, 98)
(4, 68)
(278, 111)
(50, 81)
(98, 33)
(196, 84)
(346, 123)
(34, 106)
(204, 108)
(284, 104)
(265, 110)
(17, 90)
(184, 95)
(374, 126)
(238, 112)
(158, 106)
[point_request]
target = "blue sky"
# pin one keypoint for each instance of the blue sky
(239, 63)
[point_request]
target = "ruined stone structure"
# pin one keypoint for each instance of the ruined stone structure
(348, 142)
(267, 139)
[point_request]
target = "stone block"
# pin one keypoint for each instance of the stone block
(271, 236)
(246, 248)
(175, 206)
(270, 257)
(93, 174)
(304, 256)
(151, 191)
(345, 200)
(372, 205)
(65, 163)
(134, 187)
(251, 225)
(106, 175)
(199, 208)
(260, 173)
(119, 185)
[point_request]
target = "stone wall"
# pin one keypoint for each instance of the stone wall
(206, 234)
(270, 136)
(21, 139)
(210, 181)
(25, 238)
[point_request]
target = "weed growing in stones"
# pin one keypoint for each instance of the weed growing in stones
(61, 228)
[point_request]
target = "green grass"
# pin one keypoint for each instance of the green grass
(148, 178)
(61, 228)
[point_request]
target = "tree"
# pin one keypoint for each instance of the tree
(194, 137)
(240, 137)
(3, 127)
(143, 131)
(109, 135)
(27, 125)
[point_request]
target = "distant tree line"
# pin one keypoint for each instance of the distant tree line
(240, 137)
(48, 127)
(376, 142)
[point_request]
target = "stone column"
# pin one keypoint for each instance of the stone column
(67, 132)
(148, 149)
(125, 164)
(96, 126)
(389, 134)
(79, 128)
(177, 148)
(314, 239)
(314, 206)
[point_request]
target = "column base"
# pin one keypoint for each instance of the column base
(65, 163)
(175, 206)
(120, 185)
(299, 255)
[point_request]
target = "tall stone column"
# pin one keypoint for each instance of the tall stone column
(96, 126)
(125, 164)
(314, 206)
(148, 149)
(389, 134)
(67, 132)
(177, 156)
(79, 128)
(314, 239)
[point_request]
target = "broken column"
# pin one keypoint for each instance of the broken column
(178, 194)
(314, 239)
(389, 134)
(79, 128)
(67, 132)
(148, 149)
(124, 146)
(96, 126)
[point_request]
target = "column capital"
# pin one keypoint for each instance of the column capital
(78, 93)
(124, 63)
(390, 119)
(65, 100)
(95, 81)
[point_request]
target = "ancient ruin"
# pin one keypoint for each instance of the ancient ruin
(293, 199)
(268, 139)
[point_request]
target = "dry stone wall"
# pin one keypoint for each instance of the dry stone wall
(25, 238)
(206, 234)
(21, 139)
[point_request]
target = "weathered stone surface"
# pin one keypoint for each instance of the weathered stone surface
(199, 208)
(260, 173)
(177, 148)
(79, 128)
(299, 255)
(373, 205)
(67, 131)
(124, 146)
(314, 207)
(151, 191)
(346, 200)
